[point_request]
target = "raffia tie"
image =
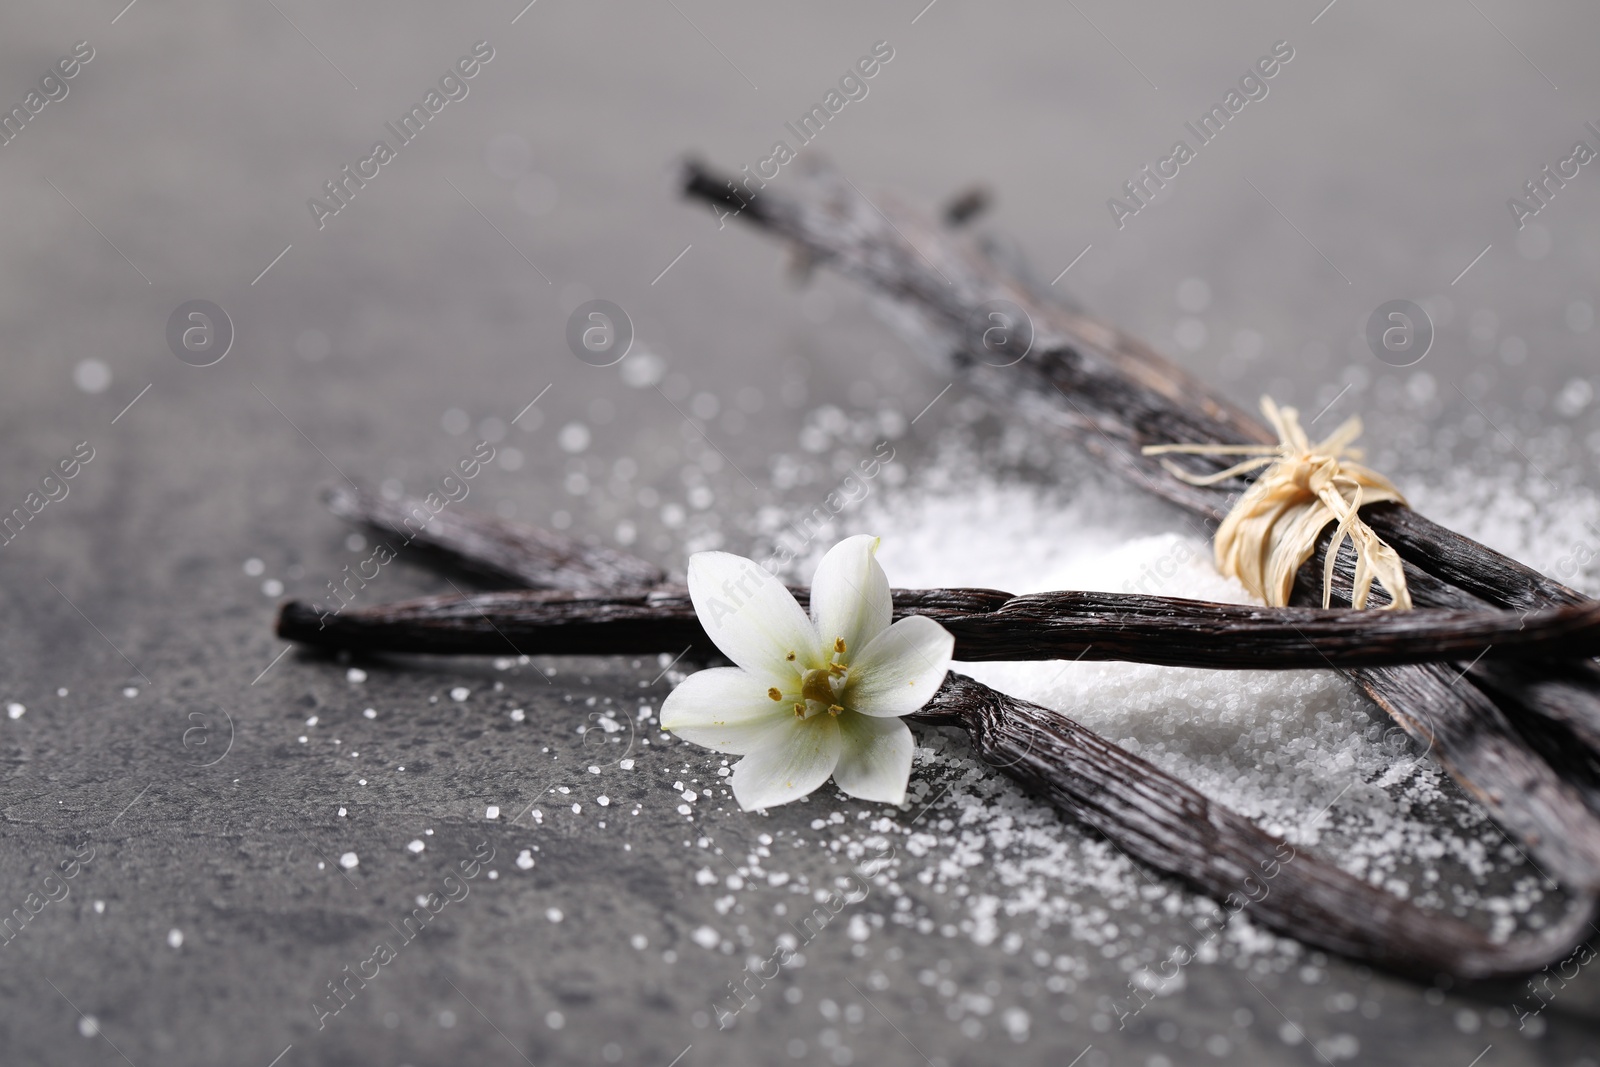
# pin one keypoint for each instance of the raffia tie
(1274, 527)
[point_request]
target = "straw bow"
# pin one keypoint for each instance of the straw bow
(1274, 526)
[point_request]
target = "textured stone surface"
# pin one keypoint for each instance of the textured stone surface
(192, 141)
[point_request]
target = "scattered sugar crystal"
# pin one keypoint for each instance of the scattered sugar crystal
(492, 812)
(356, 675)
(415, 846)
(15, 711)
(175, 937)
(460, 692)
(349, 861)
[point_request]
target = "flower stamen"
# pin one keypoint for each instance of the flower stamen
(774, 694)
(816, 685)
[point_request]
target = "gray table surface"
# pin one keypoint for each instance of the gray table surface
(163, 726)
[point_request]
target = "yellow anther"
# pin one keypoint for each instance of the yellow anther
(834, 709)
(799, 711)
(838, 644)
(774, 694)
(790, 657)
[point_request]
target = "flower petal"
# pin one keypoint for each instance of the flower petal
(723, 708)
(850, 596)
(901, 669)
(875, 763)
(751, 617)
(791, 759)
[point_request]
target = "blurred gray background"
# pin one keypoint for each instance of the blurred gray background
(432, 309)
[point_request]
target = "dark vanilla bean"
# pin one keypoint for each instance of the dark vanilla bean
(1155, 818)
(493, 549)
(987, 624)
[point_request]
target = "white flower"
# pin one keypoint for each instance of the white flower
(809, 698)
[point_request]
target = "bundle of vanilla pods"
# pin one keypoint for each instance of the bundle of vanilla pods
(1523, 738)
(1493, 675)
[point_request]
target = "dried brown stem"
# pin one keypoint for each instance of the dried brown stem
(1155, 818)
(987, 624)
(499, 551)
